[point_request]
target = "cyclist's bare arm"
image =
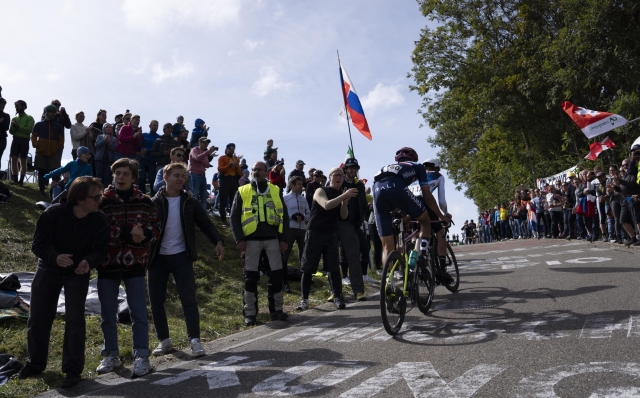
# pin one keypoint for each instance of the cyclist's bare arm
(430, 201)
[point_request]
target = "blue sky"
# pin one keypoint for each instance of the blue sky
(253, 70)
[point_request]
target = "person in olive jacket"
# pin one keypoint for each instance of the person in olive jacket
(47, 138)
(174, 253)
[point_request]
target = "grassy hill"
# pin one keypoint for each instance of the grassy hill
(219, 296)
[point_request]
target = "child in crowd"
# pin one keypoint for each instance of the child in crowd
(269, 150)
(201, 130)
(177, 127)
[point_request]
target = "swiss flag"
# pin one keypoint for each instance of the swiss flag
(597, 148)
(592, 123)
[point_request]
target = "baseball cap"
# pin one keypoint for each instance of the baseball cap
(300, 162)
(204, 139)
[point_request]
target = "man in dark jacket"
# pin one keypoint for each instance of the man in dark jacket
(298, 171)
(313, 185)
(569, 203)
(62, 118)
(5, 123)
(48, 140)
(174, 253)
(69, 240)
(630, 211)
(161, 148)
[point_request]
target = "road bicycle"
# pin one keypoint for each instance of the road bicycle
(401, 286)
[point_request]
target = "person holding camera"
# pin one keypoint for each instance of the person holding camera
(299, 211)
(198, 164)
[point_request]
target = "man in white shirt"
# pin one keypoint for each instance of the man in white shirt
(174, 253)
(298, 208)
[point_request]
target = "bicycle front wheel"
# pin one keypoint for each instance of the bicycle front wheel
(393, 303)
(451, 262)
(425, 285)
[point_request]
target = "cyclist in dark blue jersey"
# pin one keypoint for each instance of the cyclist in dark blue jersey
(391, 191)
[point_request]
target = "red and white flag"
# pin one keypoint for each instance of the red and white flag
(597, 148)
(593, 123)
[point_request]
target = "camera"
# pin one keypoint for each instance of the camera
(215, 148)
(296, 215)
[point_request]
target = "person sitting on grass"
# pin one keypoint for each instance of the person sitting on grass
(76, 168)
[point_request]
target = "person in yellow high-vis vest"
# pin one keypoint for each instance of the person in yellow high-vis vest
(259, 221)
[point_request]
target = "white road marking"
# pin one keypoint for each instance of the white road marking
(219, 374)
(329, 334)
(277, 385)
(529, 332)
(553, 262)
(634, 326)
(308, 332)
(358, 334)
(541, 384)
(598, 327)
(424, 381)
(518, 265)
(586, 260)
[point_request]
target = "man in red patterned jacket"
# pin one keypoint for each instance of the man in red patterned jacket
(134, 226)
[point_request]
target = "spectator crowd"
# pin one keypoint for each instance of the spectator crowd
(128, 204)
(589, 205)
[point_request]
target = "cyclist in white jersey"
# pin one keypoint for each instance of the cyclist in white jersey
(436, 181)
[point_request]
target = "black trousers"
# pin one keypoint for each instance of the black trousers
(556, 223)
(228, 189)
(296, 235)
(45, 291)
(365, 247)
(377, 245)
(319, 245)
(181, 267)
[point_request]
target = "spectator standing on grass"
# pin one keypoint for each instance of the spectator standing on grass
(244, 180)
(161, 148)
(21, 129)
(630, 188)
(147, 161)
(200, 130)
(259, 222)
(174, 252)
(96, 130)
(106, 146)
(79, 135)
(353, 243)
(5, 123)
(130, 139)
(313, 186)
(298, 171)
(178, 154)
(198, 164)
(76, 168)
(70, 239)
(134, 226)
(299, 213)
(229, 173)
(48, 140)
(276, 175)
(62, 118)
(330, 205)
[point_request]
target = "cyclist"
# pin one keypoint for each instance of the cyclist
(436, 181)
(391, 192)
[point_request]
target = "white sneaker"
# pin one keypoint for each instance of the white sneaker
(368, 279)
(163, 347)
(304, 305)
(141, 366)
(346, 281)
(108, 364)
(197, 350)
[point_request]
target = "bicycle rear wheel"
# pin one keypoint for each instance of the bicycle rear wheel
(451, 261)
(393, 303)
(424, 285)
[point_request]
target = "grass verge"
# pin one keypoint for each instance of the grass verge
(219, 294)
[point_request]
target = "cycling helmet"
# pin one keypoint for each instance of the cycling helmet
(405, 154)
(433, 163)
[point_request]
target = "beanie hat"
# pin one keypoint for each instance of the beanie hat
(50, 108)
(82, 151)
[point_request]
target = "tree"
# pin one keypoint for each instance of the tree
(492, 76)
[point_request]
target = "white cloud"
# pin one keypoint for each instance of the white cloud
(152, 15)
(177, 71)
(270, 82)
(382, 97)
(11, 75)
(253, 44)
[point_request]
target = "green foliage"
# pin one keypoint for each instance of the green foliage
(493, 73)
(219, 294)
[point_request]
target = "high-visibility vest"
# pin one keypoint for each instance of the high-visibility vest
(266, 207)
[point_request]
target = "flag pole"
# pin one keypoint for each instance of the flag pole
(346, 111)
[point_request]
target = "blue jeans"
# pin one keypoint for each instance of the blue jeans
(487, 233)
(136, 289)
(514, 228)
(146, 174)
(200, 189)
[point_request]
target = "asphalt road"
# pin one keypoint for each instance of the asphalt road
(531, 319)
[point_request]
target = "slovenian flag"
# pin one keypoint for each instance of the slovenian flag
(352, 104)
(597, 148)
(593, 123)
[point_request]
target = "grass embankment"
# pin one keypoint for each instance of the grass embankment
(219, 294)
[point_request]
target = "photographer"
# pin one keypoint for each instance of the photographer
(199, 162)
(298, 207)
